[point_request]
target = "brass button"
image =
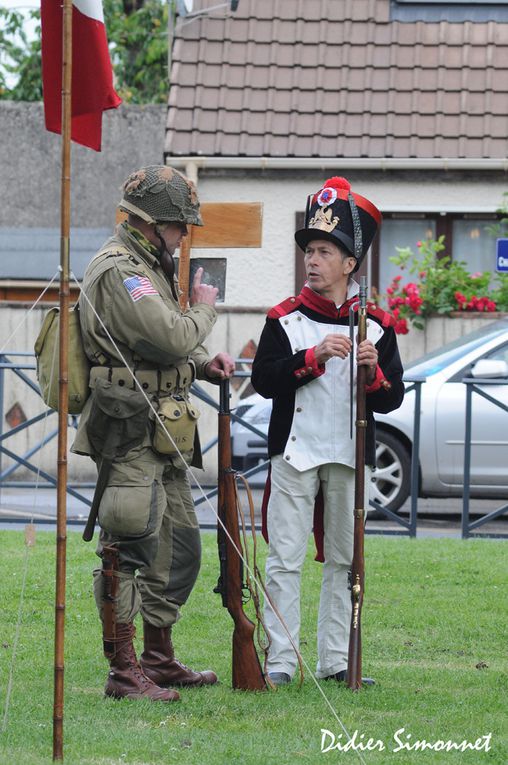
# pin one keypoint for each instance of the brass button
(309, 369)
(293, 300)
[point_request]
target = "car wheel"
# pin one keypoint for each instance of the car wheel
(391, 480)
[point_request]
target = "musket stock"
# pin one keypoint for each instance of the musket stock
(354, 673)
(247, 671)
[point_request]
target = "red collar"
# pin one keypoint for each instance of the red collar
(323, 305)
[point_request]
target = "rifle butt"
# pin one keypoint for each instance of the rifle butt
(247, 672)
(354, 671)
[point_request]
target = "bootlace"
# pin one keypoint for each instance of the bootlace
(140, 676)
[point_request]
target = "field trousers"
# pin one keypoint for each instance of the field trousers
(289, 523)
(147, 514)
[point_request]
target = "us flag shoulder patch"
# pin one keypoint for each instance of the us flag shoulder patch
(138, 287)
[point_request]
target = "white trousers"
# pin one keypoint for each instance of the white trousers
(290, 518)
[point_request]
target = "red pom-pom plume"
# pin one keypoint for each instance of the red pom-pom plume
(337, 183)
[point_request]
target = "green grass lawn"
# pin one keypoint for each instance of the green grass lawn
(435, 610)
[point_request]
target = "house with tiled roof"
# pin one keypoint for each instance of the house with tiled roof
(408, 100)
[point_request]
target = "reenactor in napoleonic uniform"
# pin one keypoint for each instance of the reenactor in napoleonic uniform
(132, 323)
(307, 363)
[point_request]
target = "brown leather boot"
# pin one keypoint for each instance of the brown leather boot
(126, 679)
(159, 664)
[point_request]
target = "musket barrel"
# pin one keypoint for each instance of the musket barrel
(354, 673)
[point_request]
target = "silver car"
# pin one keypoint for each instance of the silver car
(483, 355)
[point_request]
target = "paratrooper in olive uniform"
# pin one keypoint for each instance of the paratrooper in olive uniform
(131, 320)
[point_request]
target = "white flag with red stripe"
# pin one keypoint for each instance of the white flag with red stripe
(92, 76)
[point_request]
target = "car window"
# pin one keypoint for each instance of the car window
(434, 362)
(500, 354)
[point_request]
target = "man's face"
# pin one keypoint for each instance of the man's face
(325, 266)
(172, 234)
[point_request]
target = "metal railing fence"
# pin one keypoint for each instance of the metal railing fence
(469, 527)
(18, 363)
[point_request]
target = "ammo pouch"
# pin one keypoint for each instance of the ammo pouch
(179, 418)
(118, 419)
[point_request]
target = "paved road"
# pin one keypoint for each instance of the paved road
(436, 517)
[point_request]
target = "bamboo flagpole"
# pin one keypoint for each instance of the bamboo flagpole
(74, 103)
(63, 403)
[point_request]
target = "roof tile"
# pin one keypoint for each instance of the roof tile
(497, 128)
(320, 78)
(310, 33)
(206, 121)
(499, 105)
(309, 55)
(450, 125)
(473, 80)
(377, 124)
(498, 57)
(306, 78)
(235, 76)
(283, 55)
(304, 101)
(277, 146)
(281, 99)
(451, 102)
(280, 124)
(235, 52)
(251, 145)
(426, 103)
(228, 144)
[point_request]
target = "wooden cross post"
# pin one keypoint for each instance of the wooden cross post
(226, 225)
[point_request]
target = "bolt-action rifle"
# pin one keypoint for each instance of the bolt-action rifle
(247, 672)
(354, 672)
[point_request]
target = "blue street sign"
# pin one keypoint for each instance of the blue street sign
(502, 255)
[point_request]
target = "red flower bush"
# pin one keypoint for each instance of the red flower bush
(442, 286)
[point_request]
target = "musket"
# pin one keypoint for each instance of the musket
(247, 672)
(354, 672)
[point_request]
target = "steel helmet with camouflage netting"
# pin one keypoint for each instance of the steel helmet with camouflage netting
(160, 194)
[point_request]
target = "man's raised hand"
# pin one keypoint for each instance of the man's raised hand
(202, 293)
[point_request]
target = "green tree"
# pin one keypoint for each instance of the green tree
(138, 37)
(20, 58)
(138, 42)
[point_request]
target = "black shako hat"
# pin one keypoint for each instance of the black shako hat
(346, 219)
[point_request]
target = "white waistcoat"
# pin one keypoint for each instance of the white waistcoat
(320, 432)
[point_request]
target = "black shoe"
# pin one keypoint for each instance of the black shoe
(340, 677)
(279, 678)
